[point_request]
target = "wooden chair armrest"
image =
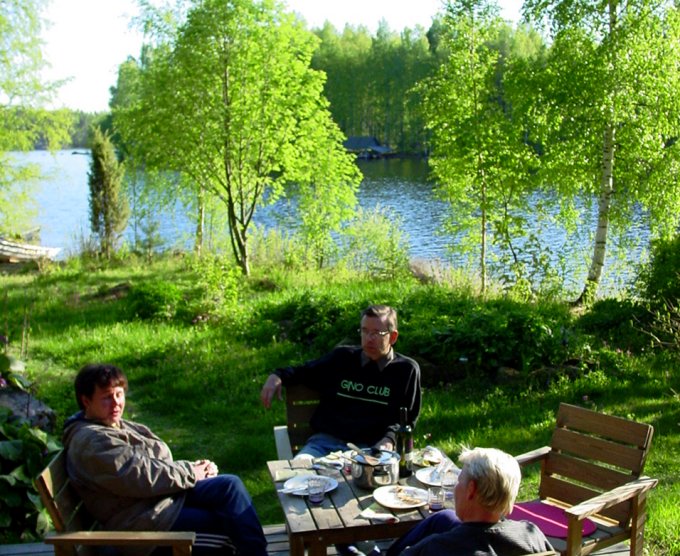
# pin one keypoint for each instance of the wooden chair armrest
(607, 499)
(124, 538)
(282, 441)
(533, 456)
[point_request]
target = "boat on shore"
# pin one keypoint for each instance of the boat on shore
(17, 252)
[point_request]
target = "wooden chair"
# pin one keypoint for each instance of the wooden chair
(76, 528)
(593, 470)
(301, 402)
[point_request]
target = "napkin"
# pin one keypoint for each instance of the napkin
(329, 462)
(377, 512)
(285, 474)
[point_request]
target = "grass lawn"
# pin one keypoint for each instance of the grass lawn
(196, 368)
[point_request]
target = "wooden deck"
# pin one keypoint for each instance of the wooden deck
(276, 535)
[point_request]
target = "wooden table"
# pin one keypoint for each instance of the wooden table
(336, 520)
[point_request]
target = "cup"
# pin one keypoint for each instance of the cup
(316, 488)
(449, 480)
(435, 499)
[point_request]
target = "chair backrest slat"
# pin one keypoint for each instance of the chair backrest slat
(301, 402)
(599, 477)
(608, 426)
(60, 499)
(597, 449)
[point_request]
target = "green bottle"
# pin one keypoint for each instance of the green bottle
(404, 444)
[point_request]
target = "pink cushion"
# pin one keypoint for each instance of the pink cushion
(549, 519)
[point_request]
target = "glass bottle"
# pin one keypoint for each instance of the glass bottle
(404, 444)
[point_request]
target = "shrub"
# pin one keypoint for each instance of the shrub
(219, 280)
(617, 322)
(321, 320)
(24, 452)
(659, 285)
(659, 280)
(374, 243)
(501, 334)
(154, 300)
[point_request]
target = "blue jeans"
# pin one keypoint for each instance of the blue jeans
(321, 444)
(221, 507)
(441, 522)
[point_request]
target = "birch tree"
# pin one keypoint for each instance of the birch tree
(234, 105)
(23, 117)
(479, 158)
(608, 111)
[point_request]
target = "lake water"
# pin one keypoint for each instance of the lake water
(396, 185)
(400, 186)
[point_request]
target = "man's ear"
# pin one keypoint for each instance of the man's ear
(471, 489)
(85, 401)
(394, 334)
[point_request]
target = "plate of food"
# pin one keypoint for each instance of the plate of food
(399, 497)
(298, 485)
(428, 456)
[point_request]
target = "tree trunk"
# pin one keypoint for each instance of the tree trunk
(200, 222)
(237, 237)
(603, 208)
(483, 249)
(606, 192)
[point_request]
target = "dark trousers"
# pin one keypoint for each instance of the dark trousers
(217, 508)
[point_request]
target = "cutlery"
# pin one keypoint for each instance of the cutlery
(370, 460)
(298, 490)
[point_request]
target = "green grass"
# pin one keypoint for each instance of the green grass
(197, 384)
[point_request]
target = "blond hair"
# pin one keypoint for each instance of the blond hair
(497, 476)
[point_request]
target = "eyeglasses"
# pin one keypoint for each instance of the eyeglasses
(373, 333)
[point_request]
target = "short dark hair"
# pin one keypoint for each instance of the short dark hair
(382, 311)
(97, 374)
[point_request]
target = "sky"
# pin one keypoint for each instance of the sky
(87, 40)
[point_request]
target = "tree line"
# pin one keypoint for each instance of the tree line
(572, 112)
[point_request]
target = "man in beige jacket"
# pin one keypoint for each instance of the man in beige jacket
(128, 479)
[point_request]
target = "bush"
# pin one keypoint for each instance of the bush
(155, 300)
(320, 320)
(374, 243)
(659, 280)
(501, 334)
(24, 452)
(617, 322)
(659, 285)
(219, 280)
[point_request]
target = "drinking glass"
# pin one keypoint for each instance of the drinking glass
(316, 488)
(435, 499)
(449, 480)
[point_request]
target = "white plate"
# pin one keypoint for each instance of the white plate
(429, 476)
(424, 475)
(298, 485)
(399, 497)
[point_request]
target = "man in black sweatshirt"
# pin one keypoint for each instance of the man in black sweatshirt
(361, 389)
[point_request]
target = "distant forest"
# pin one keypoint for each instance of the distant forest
(370, 82)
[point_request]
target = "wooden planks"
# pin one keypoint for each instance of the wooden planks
(593, 469)
(337, 519)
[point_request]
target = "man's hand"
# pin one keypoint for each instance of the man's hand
(271, 388)
(204, 469)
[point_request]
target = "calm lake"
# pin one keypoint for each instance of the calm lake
(399, 186)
